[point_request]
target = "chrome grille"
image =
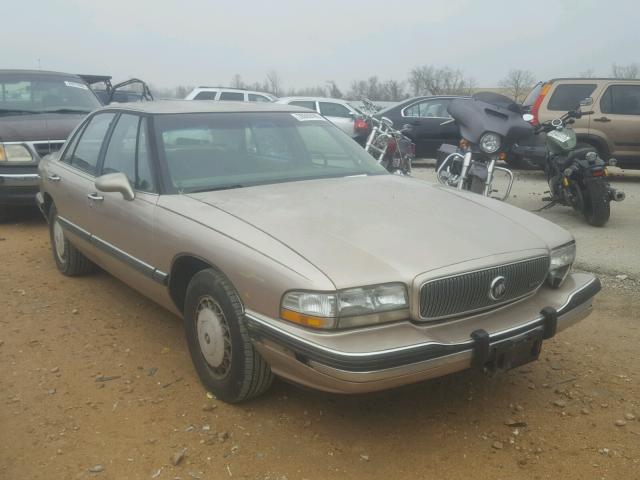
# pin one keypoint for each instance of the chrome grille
(45, 148)
(469, 292)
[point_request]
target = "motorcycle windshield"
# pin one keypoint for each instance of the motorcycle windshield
(476, 116)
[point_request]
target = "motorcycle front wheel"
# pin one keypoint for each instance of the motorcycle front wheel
(596, 204)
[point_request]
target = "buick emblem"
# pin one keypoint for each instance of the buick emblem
(498, 288)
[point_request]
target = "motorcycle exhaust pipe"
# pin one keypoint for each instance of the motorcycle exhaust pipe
(616, 195)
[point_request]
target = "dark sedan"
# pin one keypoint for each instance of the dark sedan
(425, 115)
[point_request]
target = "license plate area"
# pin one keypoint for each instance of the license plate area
(514, 352)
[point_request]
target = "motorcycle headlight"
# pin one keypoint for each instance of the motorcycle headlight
(15, 153)
(353, 307)
(490, 142)
(561, 260)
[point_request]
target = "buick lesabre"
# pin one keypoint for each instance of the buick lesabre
(289, 251)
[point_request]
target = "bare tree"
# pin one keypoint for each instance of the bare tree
(630, 71)
(430, 80)
(333, 90)
(182, 91)
(589, 73)
(236, 81)
(518, 83)
(274, 83)
(392, 91)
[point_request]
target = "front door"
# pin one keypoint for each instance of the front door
(619, 119)
(123, 230)
(69, 179)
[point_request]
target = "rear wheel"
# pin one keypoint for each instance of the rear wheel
(224, 357)
(69, 260)
(596, 202)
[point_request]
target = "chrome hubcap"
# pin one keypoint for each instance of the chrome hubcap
(214, 337)
(58, 240)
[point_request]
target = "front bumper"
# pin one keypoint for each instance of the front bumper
(19, 186)
(388, 356)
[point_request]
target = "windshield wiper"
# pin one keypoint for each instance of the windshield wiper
(66, 110)
(213, 189)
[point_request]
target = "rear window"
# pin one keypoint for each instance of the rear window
(205, 96)
(258, 98)
(568, 96)
(533, 95)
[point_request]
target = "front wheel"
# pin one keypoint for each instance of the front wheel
(596, 203)
(224, 357)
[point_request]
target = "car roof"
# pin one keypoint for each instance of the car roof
(203, 106)
(38, 72)
(598, 79)
(311, 99)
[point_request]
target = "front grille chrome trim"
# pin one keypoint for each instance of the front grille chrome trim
(466, 287)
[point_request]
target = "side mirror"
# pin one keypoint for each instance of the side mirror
(115, 182)
(586, 102)
(527, 117)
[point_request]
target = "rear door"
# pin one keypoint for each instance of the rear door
(617, 118)
(425, 118)
(339, 115)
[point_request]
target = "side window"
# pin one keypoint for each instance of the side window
(68, 153)
(330, 109)
(621, 100)
(237, 96)
(304, 103)
(128, 152)
(568, 96)
(205, 96)
(258, 98)
(429, 109)
(85, 155)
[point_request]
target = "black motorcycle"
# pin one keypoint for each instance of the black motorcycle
(576, 176)
(490, 124)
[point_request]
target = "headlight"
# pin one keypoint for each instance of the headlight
(490, 142)
(352, 307)
(15, 153)
(561, 260)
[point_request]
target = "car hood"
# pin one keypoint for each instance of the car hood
(38, 127)
(366, 230)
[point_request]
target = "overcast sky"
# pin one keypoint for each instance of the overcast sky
(206, 42)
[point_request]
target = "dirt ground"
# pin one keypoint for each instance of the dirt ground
(96, 377)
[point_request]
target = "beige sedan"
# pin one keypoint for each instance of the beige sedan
(288, 250)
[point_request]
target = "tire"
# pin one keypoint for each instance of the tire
(597, 207)
(69, 260)
(224, 357)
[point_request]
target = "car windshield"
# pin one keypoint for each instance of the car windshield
(28, 93)
(215, 151)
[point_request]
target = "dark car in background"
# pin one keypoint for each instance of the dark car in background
(425, 115)
(132, 90)
(38, 111)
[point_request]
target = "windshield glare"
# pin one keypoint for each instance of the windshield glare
(216, 151)
(30, 93)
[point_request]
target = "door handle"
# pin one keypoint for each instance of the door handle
(95, 197)
(602, 119)
(52, 177)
